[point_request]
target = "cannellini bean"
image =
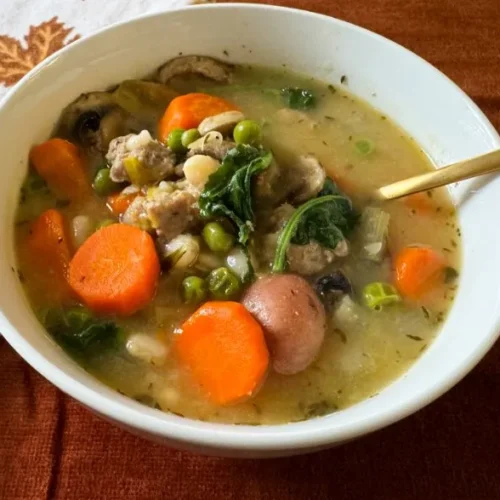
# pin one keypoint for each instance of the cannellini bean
(183, 251)
(140, 140)
(198, 169)
(146, 348)
(169, 396)
(82, 227)
(237, 261)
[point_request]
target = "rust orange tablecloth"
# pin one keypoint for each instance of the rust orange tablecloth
(50, 447)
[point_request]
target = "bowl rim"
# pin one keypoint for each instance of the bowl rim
(282, 437)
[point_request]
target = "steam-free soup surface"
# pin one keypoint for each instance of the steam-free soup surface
(364, 349)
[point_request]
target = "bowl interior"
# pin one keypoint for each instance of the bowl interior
(446, 124)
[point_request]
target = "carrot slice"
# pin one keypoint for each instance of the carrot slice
(48, 253)
(62, 165)
(116, 270)
(418, 271)
(118, 203)
(189, 110)
(224, 347)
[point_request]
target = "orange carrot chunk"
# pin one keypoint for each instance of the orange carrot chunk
(62, 165)
(118, 203)
(116, 270)
(418, 271)
(48, 253)
(189, 110)
(224, 347)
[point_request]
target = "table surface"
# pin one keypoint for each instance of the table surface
(51, 447)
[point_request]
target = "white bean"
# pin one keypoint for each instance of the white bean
(82, 227)
(146, 348)
(198, 169)
(183, 251)
(140, 140)
(237, 261)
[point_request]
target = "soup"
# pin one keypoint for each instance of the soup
(204, 241)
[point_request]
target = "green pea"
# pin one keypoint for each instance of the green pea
(217, 238)
(190, 136)
(174, 140)
(105, 223)
(223, 284)
(364, 147)
(194, 290)
(247, 132)
(103, 184)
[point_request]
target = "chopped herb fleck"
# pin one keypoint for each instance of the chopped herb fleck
(325, 143)
(453, 243)
(332, 89)
(341, 334)
(383, 117)
(226, 53)
(426, 312)
(415, 337)
(318, 409)
(450, 274)
(21, 277)
(429, 194)
(423, 348)
(343, 79)
(447, 250)
(331, 118)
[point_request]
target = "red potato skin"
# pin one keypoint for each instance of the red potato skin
(293, 318)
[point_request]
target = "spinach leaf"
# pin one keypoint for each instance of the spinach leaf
(326, 219)
(297, 98)
(80, 333)
(228, 192)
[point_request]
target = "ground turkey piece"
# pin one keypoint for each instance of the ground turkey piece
(302, 259)
(169, 213)
(151, 154)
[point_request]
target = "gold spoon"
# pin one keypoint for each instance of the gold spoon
(479, 165)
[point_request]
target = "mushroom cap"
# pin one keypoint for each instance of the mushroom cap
(208, 67)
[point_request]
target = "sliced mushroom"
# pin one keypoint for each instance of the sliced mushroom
(147, 100)
(208, 67)
(223, 123)
(93, 120)
(211, 144)
(307, 176)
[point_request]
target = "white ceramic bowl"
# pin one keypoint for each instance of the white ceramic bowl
(441, 118)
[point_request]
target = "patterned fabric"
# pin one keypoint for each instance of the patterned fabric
(52, 448)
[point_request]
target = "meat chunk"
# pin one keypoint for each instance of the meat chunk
(208, 67)
(266, 185)
(154, 160)
(168, 212)
(305, 177)
(302, 259)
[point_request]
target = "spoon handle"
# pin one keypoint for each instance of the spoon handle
(460, 171)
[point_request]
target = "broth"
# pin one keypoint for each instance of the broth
(363, 350)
